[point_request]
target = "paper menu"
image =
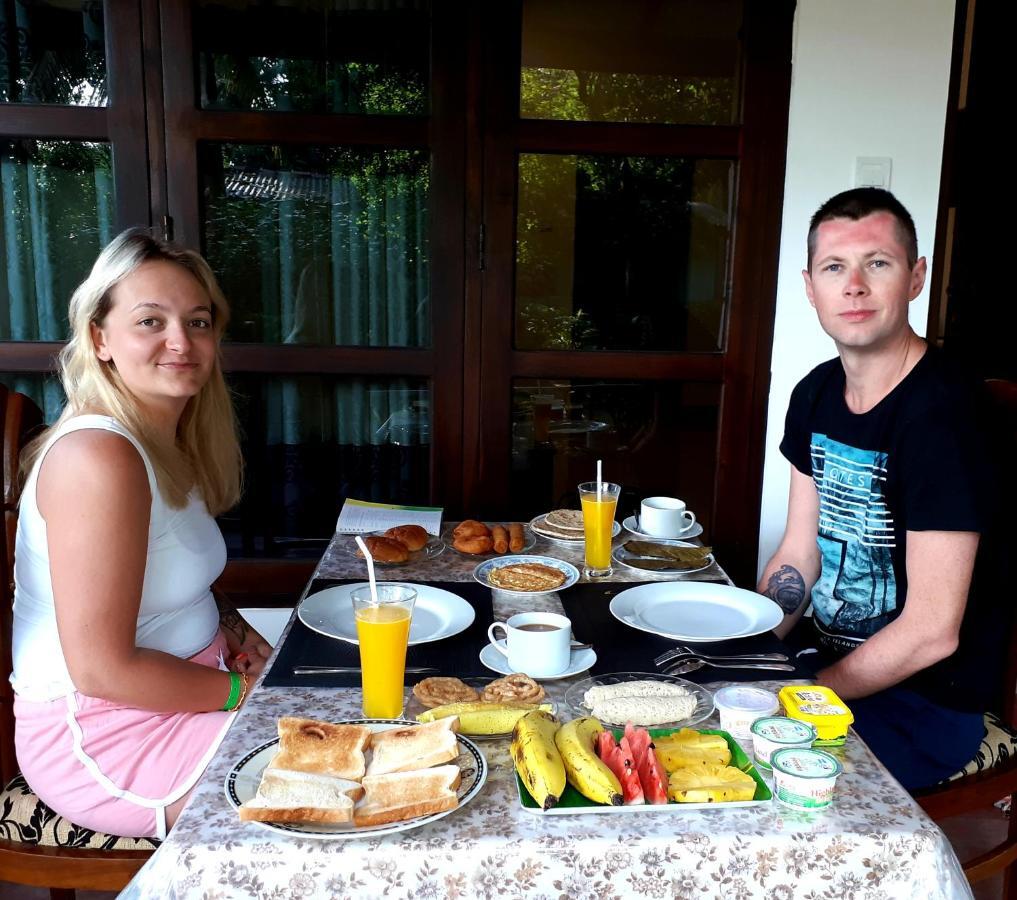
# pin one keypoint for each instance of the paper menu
(358, 516)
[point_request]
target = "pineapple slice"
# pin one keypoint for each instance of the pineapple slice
(688, 748)
(702, 783)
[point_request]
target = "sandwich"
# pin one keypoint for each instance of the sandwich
(414, 747)
(307, 745)
(405, 795)
(288, 796)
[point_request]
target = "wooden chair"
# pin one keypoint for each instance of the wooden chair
(23, 858)
(980, 791)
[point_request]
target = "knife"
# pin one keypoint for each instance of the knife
(351, 670)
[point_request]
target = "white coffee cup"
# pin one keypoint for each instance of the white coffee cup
(665, 517)
(536, 643)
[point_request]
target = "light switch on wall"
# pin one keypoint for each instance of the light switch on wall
(873, 171)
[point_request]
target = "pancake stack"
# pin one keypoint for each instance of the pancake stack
(561, 524)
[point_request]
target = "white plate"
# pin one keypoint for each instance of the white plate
(632, 524)
(622, 556)
(580, 661)
(437, 614)
(529, 542)
(243, 780)
(568, 542)
(704, 699)
(435, 546)
(695, 610)
(482, 572)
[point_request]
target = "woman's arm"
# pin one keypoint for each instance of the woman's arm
(94, 495)
(248, 650)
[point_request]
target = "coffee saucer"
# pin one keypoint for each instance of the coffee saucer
(580, 661)
(631, 524)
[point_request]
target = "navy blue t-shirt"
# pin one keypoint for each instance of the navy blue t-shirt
(917, 461)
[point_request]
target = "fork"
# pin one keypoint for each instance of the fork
(694, 663)
(675, 652)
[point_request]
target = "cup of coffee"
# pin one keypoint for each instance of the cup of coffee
(536, 643)
(665, 517)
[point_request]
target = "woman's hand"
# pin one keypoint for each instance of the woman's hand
(251, 657)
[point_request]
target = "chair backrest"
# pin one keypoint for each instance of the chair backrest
(21, 420)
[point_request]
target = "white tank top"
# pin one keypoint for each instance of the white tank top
(178, 614)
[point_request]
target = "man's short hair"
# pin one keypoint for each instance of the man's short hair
(861, 202)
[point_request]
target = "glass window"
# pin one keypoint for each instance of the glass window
(311, 441)
(638, 61)
(622, 252)
(314, 56)
(653, 437)
(320, 245)
(57, 199)
(53, 51)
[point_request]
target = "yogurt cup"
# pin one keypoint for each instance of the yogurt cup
(739, 706)
(778, 733)
(804, 779)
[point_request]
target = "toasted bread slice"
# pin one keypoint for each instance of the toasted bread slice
(307, 745)
(288, 796)
(406, 795)
(414, 747)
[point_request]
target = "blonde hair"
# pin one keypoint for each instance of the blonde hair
(206, 453)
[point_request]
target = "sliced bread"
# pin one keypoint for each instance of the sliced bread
(307, 745)
(288, 796)
(405, 795)
(414, 747)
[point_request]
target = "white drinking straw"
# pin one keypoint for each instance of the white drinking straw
(370, 567)
(600, 479)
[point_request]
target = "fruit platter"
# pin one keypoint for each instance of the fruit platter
(583, 767)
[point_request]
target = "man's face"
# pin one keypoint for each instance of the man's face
(860, 283)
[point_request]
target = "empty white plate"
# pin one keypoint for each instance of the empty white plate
(437, 614)
(696, 611)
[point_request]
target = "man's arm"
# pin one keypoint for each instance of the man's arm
(792, 571)
(939, 566)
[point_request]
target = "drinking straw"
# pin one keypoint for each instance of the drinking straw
(370, 567)
(600, 479)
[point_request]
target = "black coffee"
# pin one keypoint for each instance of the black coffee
(537, 626)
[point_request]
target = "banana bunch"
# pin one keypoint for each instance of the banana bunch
(476, 717)
(536, 757)
(576, 742)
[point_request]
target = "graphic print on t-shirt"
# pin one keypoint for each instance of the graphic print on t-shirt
(856, 594)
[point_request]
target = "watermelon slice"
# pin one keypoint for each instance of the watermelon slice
(619, 760)
(651, 775)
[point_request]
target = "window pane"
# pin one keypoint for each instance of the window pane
(53, 51)
(57, 201)
(313, 56)
(44, 389)
(638, 61)
(320, 245)
(654, 438)
(622, 252)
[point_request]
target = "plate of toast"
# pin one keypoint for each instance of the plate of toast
(356, 778)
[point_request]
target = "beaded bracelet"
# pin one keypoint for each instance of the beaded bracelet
(243, 693)
(236, 683)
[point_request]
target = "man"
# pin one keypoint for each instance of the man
(887, 503)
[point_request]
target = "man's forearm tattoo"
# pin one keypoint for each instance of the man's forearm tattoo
(786, 587)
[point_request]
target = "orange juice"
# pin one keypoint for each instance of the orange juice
(598, 520)
(383, 632)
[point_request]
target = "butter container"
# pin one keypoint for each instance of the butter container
(804, 779)
(740, 705)
(821, 708)
(779, 733)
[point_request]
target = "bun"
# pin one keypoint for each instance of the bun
(405, 795)
(386, 550)
(414, 747)
(474, 544)
(471, 528)
(307, 745)
(413, 537)
(289, 796)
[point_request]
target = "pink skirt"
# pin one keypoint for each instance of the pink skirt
(115, 768)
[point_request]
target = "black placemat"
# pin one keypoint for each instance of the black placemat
(458, 655)
(621, 648)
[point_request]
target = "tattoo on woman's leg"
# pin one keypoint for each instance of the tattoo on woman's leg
(786, 588)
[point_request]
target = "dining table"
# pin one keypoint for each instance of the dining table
(874, 842)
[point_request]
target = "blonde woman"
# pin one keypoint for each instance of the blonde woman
(120, 652)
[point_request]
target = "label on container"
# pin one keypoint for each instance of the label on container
(781, 730)
(804, 778)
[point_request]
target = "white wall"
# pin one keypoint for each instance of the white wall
(869, 78)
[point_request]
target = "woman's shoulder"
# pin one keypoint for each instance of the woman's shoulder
(96, 449)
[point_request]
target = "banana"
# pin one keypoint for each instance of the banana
(476, 717)
(585, 771)
(536, 757)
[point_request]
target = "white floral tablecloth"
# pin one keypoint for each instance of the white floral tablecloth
(875, 843)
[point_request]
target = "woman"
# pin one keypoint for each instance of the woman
(122, 692)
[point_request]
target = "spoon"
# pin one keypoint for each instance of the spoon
(696, 663)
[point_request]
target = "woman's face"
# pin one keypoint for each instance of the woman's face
(159, 335)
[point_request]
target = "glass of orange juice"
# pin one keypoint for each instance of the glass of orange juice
(600, 500)
(383, 630)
